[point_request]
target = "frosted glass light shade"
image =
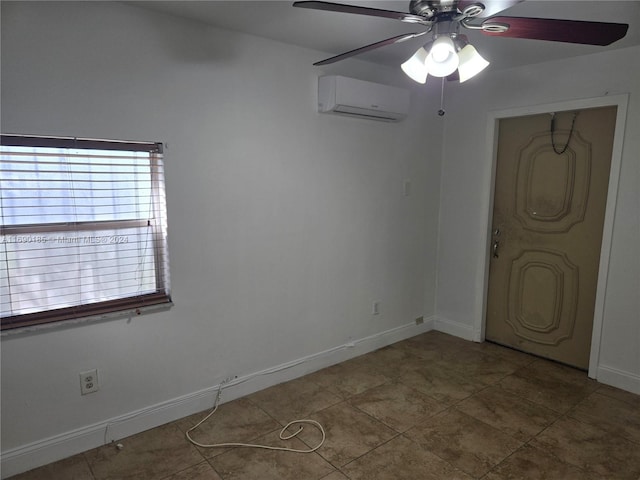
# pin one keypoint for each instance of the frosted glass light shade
(471, 63)
(442, 59)
(415, 67)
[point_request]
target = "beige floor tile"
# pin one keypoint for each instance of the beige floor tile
(509, 354)
(335, 476)
(482, 367)
(402, 459)
(530, 463)
(236, 421)
(350, 433)
(433, 387)
(294, 400)
(556, 387)
(349, 378)
(426, 351)
(441, 339)
(397, 405)
(153, 454)
(202, 471)
(591, 448)
(508, 413)
(441, 382)
(72, 468)
(622, 395)
(428, 346)
(541, 368)
(610, 414)
(467, 443)
(260, 464)
(392, 362)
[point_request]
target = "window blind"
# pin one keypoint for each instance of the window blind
(83, 229)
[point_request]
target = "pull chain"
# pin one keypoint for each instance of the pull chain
(441, 111)
(553, 129)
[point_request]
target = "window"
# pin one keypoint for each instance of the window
(83, 229)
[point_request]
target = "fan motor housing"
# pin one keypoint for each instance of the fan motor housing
(429, 8)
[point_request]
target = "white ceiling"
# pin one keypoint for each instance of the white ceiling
(336, 33)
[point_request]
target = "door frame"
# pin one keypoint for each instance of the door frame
(621, 101)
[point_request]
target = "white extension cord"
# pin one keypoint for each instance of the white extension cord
(283, 434)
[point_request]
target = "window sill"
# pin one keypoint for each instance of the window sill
(65, 324)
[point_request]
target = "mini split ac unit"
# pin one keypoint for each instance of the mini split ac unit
(349, 96)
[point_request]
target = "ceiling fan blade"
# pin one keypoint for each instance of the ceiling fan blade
(367, 48)
(372, 12)
(491, 7)
(570, 31)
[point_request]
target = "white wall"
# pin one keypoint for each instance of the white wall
(466, 175)
(284, 224)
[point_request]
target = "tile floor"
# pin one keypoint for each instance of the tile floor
(430, 407)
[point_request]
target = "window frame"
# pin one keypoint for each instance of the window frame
(122, 306)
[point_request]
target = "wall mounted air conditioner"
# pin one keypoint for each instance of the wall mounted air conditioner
(349, 96)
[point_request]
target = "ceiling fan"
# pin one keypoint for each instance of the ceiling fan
(449, 53)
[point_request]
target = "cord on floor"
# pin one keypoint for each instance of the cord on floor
(283, 434)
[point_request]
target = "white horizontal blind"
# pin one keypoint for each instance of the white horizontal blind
(83, 229)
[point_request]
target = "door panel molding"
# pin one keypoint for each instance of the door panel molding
(621, 102)
(571, 197)
(557, 299)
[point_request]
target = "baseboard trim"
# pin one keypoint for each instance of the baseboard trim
(618, 378)
(454, 328)
(48, 450)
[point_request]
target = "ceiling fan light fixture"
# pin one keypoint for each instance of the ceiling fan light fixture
(415, 67)
(442, 59)
(442, 47)
(471, 63)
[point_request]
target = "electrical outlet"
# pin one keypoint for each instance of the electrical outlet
(89, 382)
(419, 320)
